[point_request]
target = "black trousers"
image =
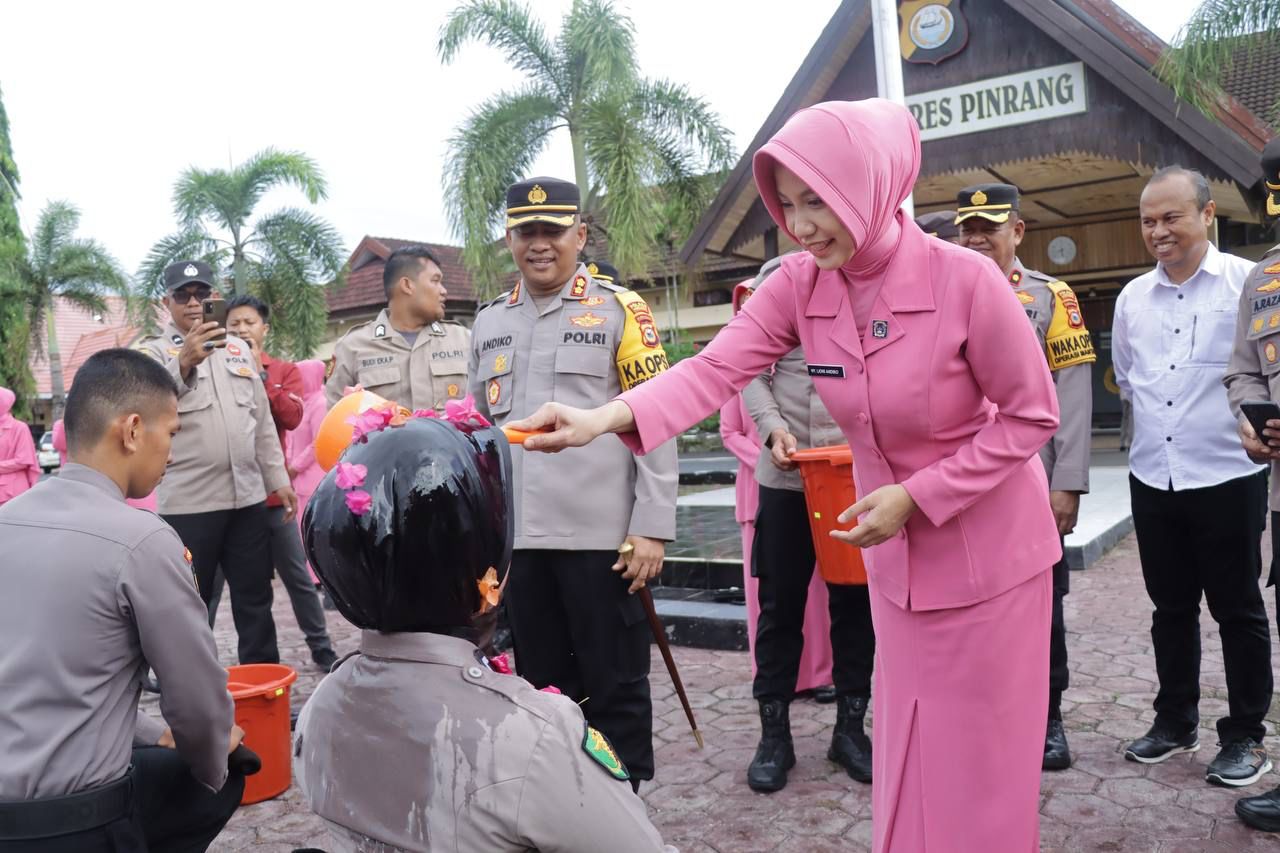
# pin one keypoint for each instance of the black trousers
(1206, 542)
(239, 540)
(171, 813)
(782, 560)
(1059, 674)
(576, 628)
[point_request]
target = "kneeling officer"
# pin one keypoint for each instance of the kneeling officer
(94, 591)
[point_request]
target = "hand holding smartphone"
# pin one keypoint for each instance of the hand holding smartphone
(1257, 413)
(215, 311)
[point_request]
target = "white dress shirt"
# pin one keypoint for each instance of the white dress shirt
(1170, 345)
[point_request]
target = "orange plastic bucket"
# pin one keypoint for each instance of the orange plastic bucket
(334, 435)
(828, 491)
(261, 694)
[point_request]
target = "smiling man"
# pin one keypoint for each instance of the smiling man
(561, 335)
(1198, 502)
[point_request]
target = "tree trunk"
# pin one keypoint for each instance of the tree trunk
(580, 176)
(55, 362)
(239, 271)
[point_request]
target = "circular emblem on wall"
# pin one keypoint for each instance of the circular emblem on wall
(931, 26)
(1062, 250)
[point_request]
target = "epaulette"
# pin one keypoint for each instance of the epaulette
(608, 285)
(1039, 276)
(357, 327)
(495, 300)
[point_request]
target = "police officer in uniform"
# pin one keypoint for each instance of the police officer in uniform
(940, 224)
(418, 741)
(226, 459)
(789, 415)
(1253, 374)
(407, 354)
(94, 590)
(561, 335)
(990, 223)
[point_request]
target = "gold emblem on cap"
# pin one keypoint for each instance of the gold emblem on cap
(593, 269)
(979, 197)
(537, 195)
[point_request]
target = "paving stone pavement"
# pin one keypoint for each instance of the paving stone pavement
(700, 801)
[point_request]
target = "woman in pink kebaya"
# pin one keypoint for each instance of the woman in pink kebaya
(19, 470)
(305, 472)
(945, 399)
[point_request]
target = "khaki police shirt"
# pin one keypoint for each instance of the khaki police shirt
(1055, 315)
(414, 743)
(94, 591)
(583, 348)
(227, 454)
(379, 359)
(786, 399)
(1254, 370)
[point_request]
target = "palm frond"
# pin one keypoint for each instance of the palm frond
(298, 309)
(306, 241)
(86, 267)
(270, 168)
(669, 108)
(191, 244)
(493, 148)
(622, 164)
(1211, 42)
(57, 225)
(200, 194)
(511, 28)
(598, 46)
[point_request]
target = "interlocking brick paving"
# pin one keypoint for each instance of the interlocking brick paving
(700, 801)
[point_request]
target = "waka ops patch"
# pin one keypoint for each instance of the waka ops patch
(601, 751)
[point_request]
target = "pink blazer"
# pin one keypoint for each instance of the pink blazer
(950, 396)
(738, 432)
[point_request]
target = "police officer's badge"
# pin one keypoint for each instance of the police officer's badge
(601, 751)
(379, 331)
(537, 195)
(500, 364)
(494, 392)
(932, 30)
(880, 329)
(190, 270)
(178, 340)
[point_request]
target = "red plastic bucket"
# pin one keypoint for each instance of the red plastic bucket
(828, 491)
(261, 694)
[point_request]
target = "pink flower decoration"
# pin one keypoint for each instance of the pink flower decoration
(359, 501)
(425, 413)
(464, 411)
(552, 689)
(370, 420)
(351, 476)
(399, 418)
(501, 663)
(352, 389)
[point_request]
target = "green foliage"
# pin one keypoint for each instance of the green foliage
(639, 145)
(1210, 43)
(284, 257)
(15, 371)
(678, 352)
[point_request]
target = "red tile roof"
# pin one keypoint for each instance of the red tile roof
(73, 325)
(1253, 77)
(363, 289)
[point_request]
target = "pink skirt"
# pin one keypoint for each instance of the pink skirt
(961, 700)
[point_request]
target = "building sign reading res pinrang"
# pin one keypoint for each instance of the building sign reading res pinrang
(996, 102)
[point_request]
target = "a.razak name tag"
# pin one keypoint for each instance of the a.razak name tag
(833, 371)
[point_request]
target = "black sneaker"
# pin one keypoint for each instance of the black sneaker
(1057, 755)
(1261, 812)
(324, 658)
(1240, 762)
(1157, 745)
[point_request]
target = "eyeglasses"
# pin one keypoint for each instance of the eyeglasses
(182, 297)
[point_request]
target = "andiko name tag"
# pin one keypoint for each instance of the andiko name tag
(833, 371)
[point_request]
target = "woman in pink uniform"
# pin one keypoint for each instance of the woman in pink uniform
(19, 469)
(738, 432)
(300, 452)
(927, 364)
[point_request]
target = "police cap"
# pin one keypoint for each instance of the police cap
(940, 223)
(603, 271)
(181, 273)
(1271, 175)
(542, 200)
(990, 201)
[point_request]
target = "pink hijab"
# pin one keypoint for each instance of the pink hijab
(19, 470)
(862, 159)
(301, 451)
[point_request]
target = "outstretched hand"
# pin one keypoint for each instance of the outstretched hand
(559, 426)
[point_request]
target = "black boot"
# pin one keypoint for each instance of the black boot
(850, 746)
(775, 755)
(1057, 755)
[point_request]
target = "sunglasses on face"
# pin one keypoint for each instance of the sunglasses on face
(182, 297)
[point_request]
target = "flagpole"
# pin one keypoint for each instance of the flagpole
(884, 26)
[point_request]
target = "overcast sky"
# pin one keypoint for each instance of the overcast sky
(108, 102)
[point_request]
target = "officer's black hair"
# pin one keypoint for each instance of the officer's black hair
(111, 383)
(1198, 182)
(404, 262)
(245, 299)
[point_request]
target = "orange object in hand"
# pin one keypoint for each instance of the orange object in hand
(517, 436)
(334, 435)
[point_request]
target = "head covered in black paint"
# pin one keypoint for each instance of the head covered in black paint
(441, 516)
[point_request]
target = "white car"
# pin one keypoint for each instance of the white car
(46, 457)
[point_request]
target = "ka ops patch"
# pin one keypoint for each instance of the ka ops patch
(601, 751)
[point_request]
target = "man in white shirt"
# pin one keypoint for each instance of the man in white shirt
(1198, 501)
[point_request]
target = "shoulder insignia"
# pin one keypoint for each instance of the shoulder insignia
(1025, 298)
(609, 285)
(437, 329)
(579, 288)
(1272, 270)
(1067, 341)
(1015, 277)
(380, 331)
(593, 301)
(514, 297)
(640, 355)
(1274, 284)
(178, 340)
(601, 751)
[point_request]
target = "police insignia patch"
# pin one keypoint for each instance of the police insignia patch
(515, 295)
(579, 288)
(244, 371)
(537, 195)
(186, 555)
(500, 364)
(1269, 351)
(379, 331)
(1015, 276)
(1274, 284)
(232, 349)
(177, 340)
(172, 351)
(593, 301)
(1258, 324)
(980, 198)
(452, 389)
(494, 392)
(593, 269)
(601, 751)
(1025, 298)
(1272, 270)
(1274, 322)
(587, 320)
(880, 329)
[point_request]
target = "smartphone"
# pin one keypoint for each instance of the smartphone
(215, 311)
(1258, 412)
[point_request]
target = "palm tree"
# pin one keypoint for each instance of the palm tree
(60, 265)
(15, 372)
(284, 257)
(637, 143)
(1220, 36)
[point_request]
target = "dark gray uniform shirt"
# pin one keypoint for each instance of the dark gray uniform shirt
(1254, 370)
(94, 590)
